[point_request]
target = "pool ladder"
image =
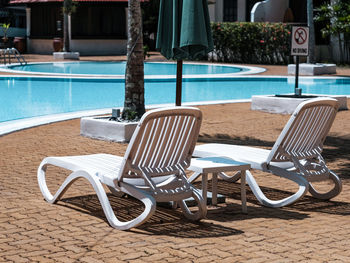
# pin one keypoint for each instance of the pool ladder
(7, 54)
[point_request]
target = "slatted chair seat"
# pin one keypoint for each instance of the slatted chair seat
(296, 154)
(152, 169)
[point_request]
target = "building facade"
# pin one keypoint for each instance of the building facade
(98, 27)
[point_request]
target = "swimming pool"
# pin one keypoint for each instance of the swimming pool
(115, 69)
(23, 97)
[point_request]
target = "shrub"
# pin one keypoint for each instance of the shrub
(246, 42)
(336, 17)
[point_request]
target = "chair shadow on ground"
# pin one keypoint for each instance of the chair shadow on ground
(164, 221)
(294, 211)
(338, 148)
(173, 223)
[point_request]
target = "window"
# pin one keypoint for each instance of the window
(44, 19)
(299, 10)
(99, 21)
(230, 10)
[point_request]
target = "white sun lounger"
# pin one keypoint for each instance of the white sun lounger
(152, 169)
(296, 154)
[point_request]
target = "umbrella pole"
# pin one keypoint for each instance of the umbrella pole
(178, 82)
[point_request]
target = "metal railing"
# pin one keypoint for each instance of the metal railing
(9, 54)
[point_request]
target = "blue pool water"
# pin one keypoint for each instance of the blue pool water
(22, 97)
(118, 68)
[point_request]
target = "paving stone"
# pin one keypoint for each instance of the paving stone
(75, 229)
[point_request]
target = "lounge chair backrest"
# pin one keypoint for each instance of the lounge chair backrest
(304, 134)
(162, 143)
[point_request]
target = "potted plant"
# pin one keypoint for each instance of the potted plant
(69, 7)
(5, 27)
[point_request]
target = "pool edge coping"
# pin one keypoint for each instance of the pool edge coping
(251, 70)
(8, 127)
(171, 77)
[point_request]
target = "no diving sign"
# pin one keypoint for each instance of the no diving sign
(300, 41)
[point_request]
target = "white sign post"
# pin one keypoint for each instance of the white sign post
(299, 47)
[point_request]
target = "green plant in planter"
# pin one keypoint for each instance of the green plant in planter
(130, 115)
(5, 27)
(146, 50)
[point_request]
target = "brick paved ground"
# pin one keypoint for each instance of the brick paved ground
(75, 229)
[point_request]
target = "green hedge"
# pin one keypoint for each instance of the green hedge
(246, 42)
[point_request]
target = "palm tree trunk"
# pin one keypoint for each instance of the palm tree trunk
(134, 73)
(310, 22)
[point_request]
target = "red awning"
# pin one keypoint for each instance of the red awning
(52, 1)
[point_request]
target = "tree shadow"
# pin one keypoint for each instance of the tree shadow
(186, 229)
(337, 148)
(164, 221)
(237, 140)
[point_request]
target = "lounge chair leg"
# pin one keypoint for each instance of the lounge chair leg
(202, 207)
(147, 200)
(43, 186)
(303, 188)
(330, 194)
(232, 178)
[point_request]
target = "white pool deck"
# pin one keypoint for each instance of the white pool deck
(20, 124)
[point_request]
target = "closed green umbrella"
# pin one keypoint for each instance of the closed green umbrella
(183, 33)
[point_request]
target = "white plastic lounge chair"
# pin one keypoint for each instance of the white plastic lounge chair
(296, 154)
(152, 169)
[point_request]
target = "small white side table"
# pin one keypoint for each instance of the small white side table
(214, 165)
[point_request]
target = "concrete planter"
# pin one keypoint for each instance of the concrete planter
(313, 69)
(66, 55)
(103, 129)
(287, 105)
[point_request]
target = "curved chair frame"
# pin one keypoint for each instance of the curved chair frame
(152, 169)
(296, 155)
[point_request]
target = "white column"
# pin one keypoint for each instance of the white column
(70, 31)
(28, 25)
(241, 10)
(28, 12)
(211, 9)
(219, 10)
